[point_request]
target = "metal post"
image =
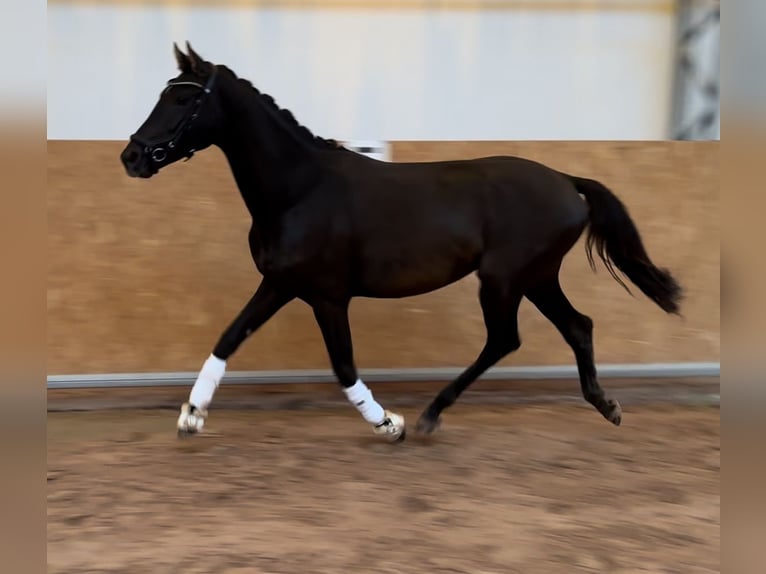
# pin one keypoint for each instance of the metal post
(696, 98)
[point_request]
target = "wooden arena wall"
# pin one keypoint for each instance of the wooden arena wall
(145, 275)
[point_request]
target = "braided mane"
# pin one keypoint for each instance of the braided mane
(288, 117)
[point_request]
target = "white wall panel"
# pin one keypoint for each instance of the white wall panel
(382, 75)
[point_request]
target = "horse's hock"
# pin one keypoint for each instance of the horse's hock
(145, 276)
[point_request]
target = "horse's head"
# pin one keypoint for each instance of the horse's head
(184, 120)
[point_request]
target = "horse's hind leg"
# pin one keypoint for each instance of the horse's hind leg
(577, 330)
(500, 305)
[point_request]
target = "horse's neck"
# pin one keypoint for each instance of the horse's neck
(264, 156)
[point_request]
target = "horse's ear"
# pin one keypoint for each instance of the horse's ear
(197, 63)
(184, 63)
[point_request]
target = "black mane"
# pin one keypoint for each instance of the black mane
(287, 115)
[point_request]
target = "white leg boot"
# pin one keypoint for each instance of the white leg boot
(386, 423)
(194, 412)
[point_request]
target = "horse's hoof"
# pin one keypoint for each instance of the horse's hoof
(392, 428)
(184, 434)
(427, 424)
(191, 420)
(614, 414)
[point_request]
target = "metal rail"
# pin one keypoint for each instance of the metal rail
(614, 371)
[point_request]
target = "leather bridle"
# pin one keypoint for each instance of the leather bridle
(158, 150)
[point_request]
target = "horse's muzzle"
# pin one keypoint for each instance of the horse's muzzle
(136, 162)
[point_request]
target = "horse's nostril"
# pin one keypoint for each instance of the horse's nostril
(130, 156)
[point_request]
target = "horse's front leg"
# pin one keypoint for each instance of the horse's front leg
(266, 301)
(333, 322)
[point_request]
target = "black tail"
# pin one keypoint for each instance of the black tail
(618, 244)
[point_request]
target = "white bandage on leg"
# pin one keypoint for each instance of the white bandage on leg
(361, 397)
(207, 382)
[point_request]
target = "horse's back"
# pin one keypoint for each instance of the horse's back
(495, 185)
(419, 226)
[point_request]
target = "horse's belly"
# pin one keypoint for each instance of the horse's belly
(391, 288)
(408, 276)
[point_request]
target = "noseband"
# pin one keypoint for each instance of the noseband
(158, 150)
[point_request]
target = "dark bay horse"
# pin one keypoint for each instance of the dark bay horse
(330, 224)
